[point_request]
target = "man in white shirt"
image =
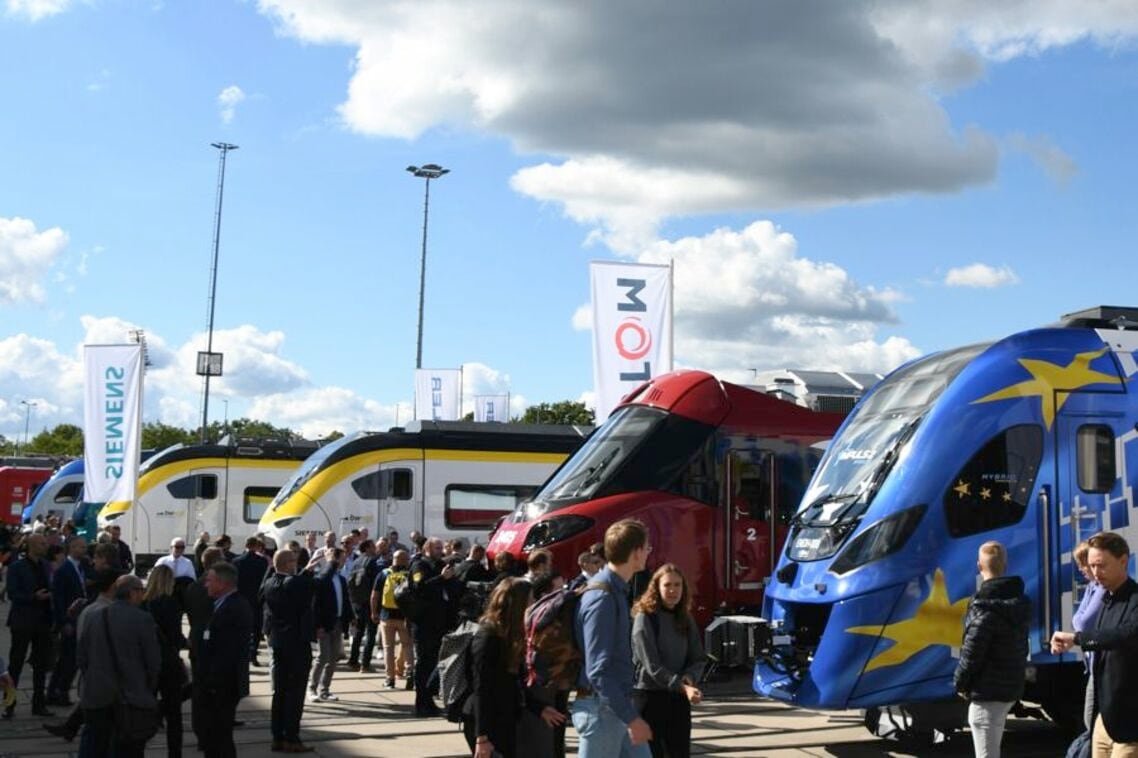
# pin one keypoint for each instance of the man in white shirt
(182, 566)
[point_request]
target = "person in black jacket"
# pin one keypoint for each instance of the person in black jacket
(163, 606)
(30, 620)
(289, 620)
(993, 655)
(332, 609)
(223, 662)
(434, 584)
(1113, 638)
(252, 566)
(68, 596)
(491, 714)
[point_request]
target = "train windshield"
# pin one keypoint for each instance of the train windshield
(312, 464)
(638, 448)
(858, 461)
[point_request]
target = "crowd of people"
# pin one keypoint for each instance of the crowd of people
(77, 609)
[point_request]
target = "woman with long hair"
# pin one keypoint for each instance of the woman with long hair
(669, 661)
(162, 604)
(498, 652)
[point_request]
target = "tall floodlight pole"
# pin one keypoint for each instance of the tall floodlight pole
(211, 365)
(427, 172)
(28, 405)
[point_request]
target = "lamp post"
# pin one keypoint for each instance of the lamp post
(28, 405)
(427, 172)
(208, 364)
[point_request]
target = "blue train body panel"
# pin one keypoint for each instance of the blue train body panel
(1030, 441)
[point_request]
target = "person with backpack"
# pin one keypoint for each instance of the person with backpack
(497, 698)
(603, 713)
(360, 582)
(386, 612)
(669, 661)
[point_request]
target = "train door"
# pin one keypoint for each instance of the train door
(1090, 499)
(750, 527)
(401, 490)
(188, 507)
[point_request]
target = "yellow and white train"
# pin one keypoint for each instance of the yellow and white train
(446, 479)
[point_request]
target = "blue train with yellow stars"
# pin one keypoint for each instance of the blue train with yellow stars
(1030, 440)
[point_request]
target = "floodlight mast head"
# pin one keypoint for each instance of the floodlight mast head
(428, 171)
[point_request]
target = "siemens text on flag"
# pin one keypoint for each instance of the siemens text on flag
(632, 328)
(112, 413)
(438, 394)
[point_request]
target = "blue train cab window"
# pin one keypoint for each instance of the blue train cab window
(69, 493)
(993, 488)
(195, 485)
(1094, 445)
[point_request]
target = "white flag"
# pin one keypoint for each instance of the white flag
(112, 415)
(492, 408)
(632, 328)
(438, 394)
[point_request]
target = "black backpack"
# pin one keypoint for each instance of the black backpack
(455, 670)
(361, 580)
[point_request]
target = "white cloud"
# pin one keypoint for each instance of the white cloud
(227, 102)
(34, 10)
(317, 411)
(746, 299)
(642, 111)
(26, 256)
(980, 275)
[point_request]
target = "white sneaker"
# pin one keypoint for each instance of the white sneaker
(327, 697)
(313, 697)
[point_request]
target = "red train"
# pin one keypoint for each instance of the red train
(715, 470)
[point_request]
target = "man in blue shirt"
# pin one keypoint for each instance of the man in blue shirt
(606, 721)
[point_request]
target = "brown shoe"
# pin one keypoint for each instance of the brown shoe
(278, 747)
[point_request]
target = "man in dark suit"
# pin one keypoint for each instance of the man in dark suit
(333, 611)
(30, 620)
(68, 597)
(252, 566)
(223, 662)
(289, 620)
(126, 558)
(199, 609)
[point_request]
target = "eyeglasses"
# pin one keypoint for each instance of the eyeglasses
(179, 547)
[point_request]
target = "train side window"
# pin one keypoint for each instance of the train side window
(993, 488)
(1094, 453)
(479, 506)
(255, 501)
(697, 480)
(369, 487)
(203, 486)
(401, 484)
(794, 471)
(69, 493)
(750, 486)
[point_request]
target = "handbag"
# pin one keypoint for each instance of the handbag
(133, 723)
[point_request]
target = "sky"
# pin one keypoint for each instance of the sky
(840, 186)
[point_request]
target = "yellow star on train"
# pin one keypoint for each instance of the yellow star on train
(936, 622)
(1051, 382)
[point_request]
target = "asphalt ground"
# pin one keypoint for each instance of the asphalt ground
(369, 720)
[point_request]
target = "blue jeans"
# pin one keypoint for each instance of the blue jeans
(602, 734)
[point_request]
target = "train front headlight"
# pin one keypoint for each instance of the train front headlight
(555, 529)
(883, 538)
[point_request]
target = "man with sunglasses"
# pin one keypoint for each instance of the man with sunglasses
(182, 566)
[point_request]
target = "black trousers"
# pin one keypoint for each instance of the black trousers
(669, 715)
(427, 645)
(364, 631)
(170, 706)
(38, 640)
(64, 672)
(289, 674)
(218, 711)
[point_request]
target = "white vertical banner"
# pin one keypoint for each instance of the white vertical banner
(438, 394)
(112, 421)
(632, 328)
(492, 408)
